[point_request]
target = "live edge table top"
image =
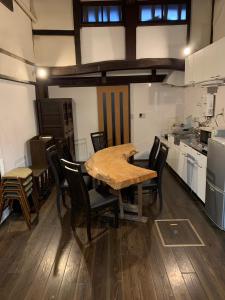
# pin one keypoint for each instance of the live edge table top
(111, 166)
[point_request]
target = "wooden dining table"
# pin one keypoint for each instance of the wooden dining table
(111, 166)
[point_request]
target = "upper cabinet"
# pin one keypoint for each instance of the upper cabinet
(206, 65)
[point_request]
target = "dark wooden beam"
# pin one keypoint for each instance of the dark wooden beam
(10, 54)
(8, 4)
(99, 81)
(188, 21)
(77, 25)
(53, 32)
(15, 79)
(117, 65)
(130, 12)
(41, 90)
(212, 20)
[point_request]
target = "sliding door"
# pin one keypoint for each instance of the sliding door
(114, 113)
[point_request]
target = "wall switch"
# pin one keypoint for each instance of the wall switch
(142, 115)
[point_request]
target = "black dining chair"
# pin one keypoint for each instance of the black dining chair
(66, 154)
(91, 201)
(151, 163)
(155, 184)
(53, 157)
(58, 175)
(99, 140)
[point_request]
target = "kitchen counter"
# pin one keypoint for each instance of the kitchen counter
(196, 145)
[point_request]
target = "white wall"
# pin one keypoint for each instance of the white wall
(218, 22)
(161, 41)
(102, 43)
(195, 104)
(16, 38)
(201, 11)
(17, 122)
(54, 51)
(161, 106)
(53, 14)
(85, 116)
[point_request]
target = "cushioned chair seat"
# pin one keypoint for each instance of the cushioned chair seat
(98, 200)
(142, 164)
(150, 183)
(87, 180)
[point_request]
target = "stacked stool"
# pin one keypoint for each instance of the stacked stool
(17, 184)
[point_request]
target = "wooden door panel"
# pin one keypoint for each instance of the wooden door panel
(114, 113)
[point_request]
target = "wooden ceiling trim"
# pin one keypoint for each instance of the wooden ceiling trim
(118, 65)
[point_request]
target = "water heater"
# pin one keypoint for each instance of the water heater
(209, 105)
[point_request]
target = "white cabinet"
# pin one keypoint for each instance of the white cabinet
(206, 64)
(191, 168)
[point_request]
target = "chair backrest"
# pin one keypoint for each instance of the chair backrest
(77, 187)
(65, 151)
(55, 165)
(161, 160)
(99, 140)
(153, 154)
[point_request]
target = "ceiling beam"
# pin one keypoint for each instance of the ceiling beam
(98, 81)
(118, 65)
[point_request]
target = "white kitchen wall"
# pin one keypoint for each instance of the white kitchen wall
(160, 105)
(85, 116)
(195, 104)
(102, 43)
(17, 122)
(161, 41)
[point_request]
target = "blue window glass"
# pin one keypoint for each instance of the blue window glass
(172, 14)
(158, 12)
(183, 13)
(146, 13)
(105, 15)
(114, 14)
(91, 14)
(99, 14)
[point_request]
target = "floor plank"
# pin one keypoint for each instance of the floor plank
(53, 262)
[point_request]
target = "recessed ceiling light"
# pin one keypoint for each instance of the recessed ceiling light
(149, 84)
(42, 73)
(187, 51)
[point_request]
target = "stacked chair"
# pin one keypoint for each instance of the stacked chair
(18, 185)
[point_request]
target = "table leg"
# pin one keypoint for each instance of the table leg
(140, 200)
(121, 205)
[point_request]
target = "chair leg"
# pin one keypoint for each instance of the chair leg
(116, 213)
(160, 198)
(58, 196)
(64, 199)
(89, 227)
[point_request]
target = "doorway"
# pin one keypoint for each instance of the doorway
(114, 113)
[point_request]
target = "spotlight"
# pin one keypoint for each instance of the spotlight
(42, 73)
(149, 84)
(187, 51)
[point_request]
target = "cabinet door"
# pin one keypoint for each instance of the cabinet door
(201, 183)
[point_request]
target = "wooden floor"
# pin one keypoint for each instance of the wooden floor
(50, 262)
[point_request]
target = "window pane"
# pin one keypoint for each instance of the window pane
(91, 14)
(105, 14)
(158, 12)
(172, 14)
(146, 13)
(99, 14)
(183, 13)
(114, 14)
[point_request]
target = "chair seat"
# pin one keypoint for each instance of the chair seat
(142, 164)
(150, 183)
(97, 200)
(87, 180)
